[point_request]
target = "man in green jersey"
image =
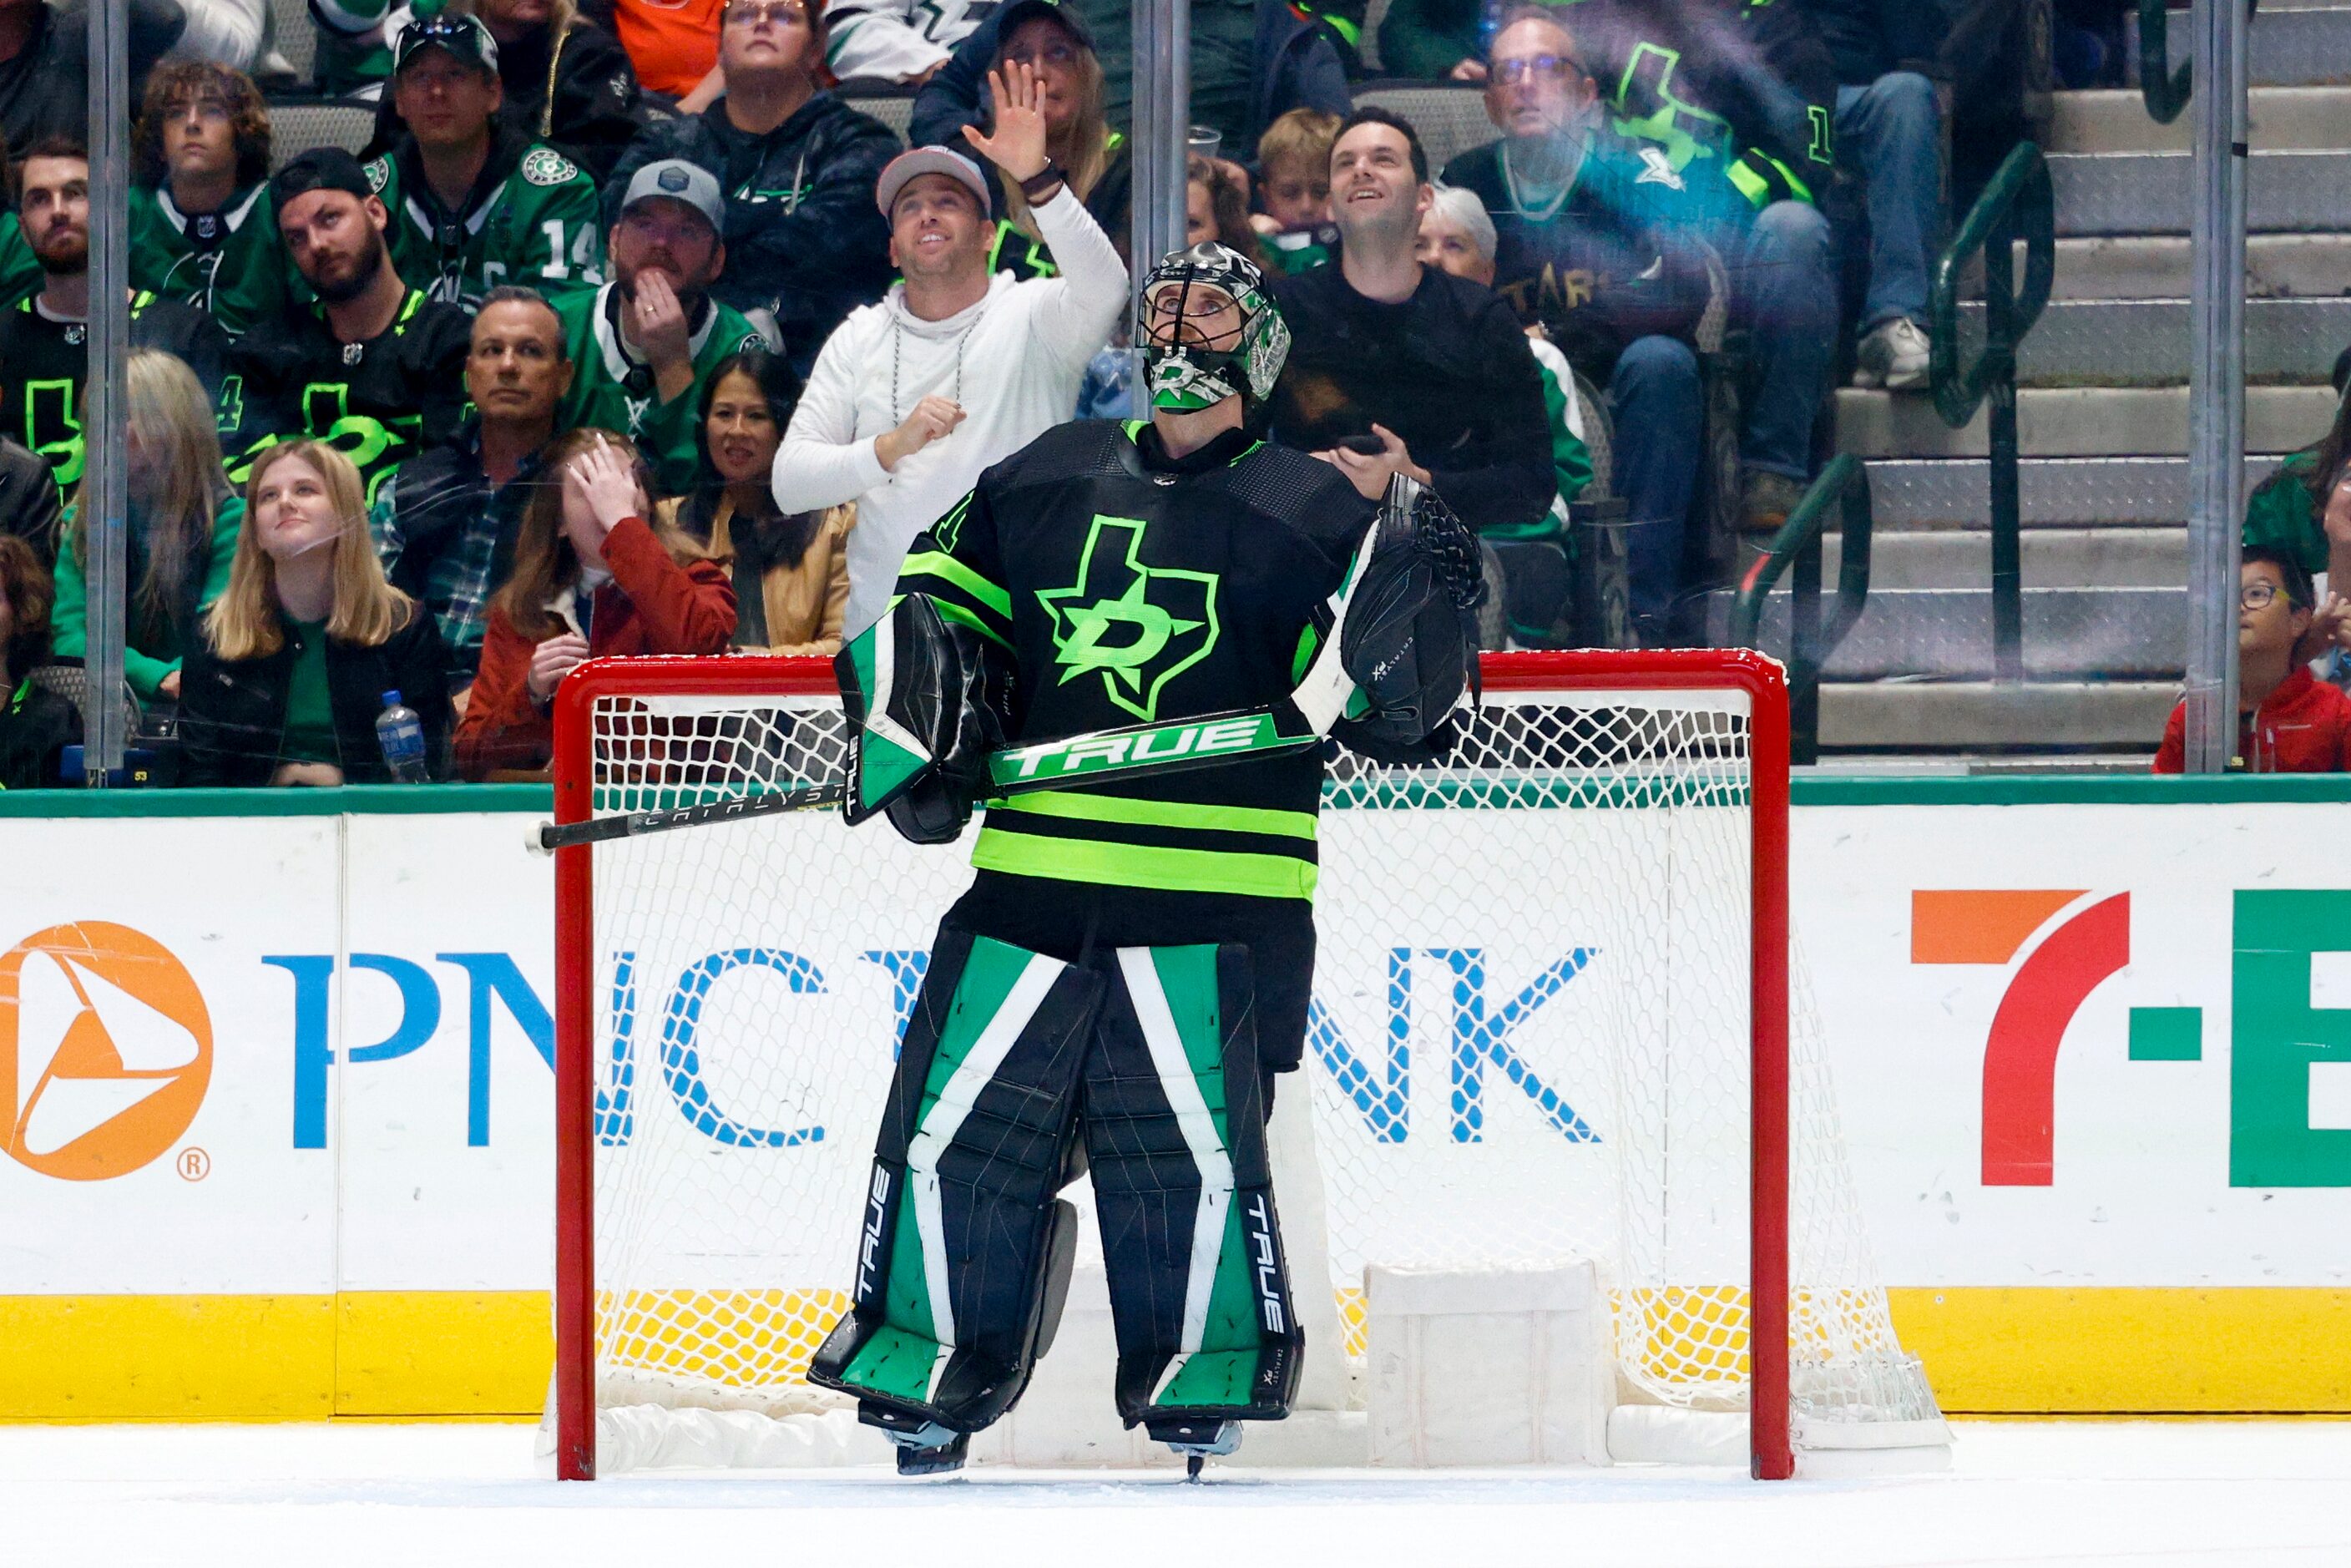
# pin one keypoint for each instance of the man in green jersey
(643, 344)
(203, 229)
(474, 202)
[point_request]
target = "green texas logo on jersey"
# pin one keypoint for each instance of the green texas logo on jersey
(1136, 626)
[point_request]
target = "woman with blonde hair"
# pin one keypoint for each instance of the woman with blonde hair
(790, 570)
(593, 577)
(1090, 157)
(182, 533)
(310, 644)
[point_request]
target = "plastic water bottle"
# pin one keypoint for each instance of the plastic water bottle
(401, 735)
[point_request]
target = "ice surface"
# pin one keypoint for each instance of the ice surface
(2086, 1494)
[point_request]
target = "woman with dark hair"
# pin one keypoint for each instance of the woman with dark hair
(1216, 209)
(790, 573)
(36, 724)
(202, 231)
(594, 576)
(310, 644)
(2304, 510)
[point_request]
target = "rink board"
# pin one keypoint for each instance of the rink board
(2093, 1053)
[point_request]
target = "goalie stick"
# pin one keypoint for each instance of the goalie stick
(1134, 751)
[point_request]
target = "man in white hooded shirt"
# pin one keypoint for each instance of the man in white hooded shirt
(955, 370)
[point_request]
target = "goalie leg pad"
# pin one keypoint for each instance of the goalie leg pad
(966, 1250)
(1174, 1127)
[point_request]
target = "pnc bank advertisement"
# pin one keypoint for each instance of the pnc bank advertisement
(2077, 1048)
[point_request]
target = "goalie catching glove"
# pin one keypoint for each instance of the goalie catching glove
(1397, 674)
(923, 696)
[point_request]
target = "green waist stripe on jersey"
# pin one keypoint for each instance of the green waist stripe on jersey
(1173, 846)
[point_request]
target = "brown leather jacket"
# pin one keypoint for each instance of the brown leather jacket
(803, 604)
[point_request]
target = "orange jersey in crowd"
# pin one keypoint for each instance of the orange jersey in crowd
(2304, 727)
(673, 43)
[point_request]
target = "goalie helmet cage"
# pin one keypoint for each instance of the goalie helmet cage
(1679, 760)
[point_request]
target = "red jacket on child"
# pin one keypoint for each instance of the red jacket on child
(653, 605)
(2303, 726)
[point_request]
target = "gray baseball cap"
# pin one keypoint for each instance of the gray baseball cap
(905, 167)
(675, 180)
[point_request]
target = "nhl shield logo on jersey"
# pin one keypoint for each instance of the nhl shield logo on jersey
(1136, 626)
(546, 166)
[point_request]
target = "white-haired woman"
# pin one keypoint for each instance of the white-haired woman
(298, 658)
(1457, 237)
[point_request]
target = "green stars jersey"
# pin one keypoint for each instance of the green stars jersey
(45, 361)
(1131, 587)
(531, 219)
(613, 388)
(20, 269)
(230, 263)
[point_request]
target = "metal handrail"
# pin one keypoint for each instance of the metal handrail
(2018, 204)
(1844, 483)
(2165, 90)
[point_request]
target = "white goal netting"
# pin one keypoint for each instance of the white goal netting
(1530, 1043)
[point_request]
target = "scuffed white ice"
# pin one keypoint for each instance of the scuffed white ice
(2087, 1494)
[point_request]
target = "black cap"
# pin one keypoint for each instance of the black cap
(318, 169)
(1008, 21)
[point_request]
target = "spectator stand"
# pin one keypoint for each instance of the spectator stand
(299, 125)
(892, 103)
(1810, 637)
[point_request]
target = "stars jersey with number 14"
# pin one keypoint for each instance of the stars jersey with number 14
(1129, 587)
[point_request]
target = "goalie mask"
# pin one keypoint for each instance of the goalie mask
(1201, 366)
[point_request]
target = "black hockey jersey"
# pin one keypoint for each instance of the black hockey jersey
(44, 362)
(1133, 588)
(376, 401)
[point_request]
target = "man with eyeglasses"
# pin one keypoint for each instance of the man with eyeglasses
(642, 346)
(203, 230)
(476, 203)
(797, 167)
(1596, 246)
(2288, 721)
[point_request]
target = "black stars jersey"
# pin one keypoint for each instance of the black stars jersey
(1133, 588)
(45, 361)
(531, 219)
(230, 263)
(377, 401)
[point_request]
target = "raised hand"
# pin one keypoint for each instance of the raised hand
(1016, 145)
(658, 323)
(601, 479)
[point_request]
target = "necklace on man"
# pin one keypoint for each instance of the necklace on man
(897, 334)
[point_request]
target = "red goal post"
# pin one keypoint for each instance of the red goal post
(601, 685)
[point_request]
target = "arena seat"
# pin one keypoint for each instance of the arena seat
(297, 124)
(1450, 117)
(894, 107)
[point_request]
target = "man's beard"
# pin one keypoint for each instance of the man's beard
(58, 261)
(1387, 228)
(359, 283)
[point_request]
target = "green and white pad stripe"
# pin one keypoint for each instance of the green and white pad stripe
(887, 752)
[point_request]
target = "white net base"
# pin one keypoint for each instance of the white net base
(1530, 1049)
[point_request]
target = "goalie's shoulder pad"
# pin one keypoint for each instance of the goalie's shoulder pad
(923, 697)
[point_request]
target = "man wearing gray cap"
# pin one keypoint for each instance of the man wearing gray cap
(955, 370)
(643, 344)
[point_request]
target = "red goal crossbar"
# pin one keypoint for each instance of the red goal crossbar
(1771, 1450)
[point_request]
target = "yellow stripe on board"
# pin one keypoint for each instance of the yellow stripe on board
(2032, 1351)
(2046, 1351)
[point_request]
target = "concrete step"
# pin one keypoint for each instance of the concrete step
(2291, 44)
(2152, 193)
(2148, 342)
(2115, 119)
(2116, 493)
(2069, 632)
(1960, 559)
(2076, 421)
(2302, 266)
(1977, 715)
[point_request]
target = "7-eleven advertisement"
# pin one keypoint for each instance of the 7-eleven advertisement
(2084, 1045)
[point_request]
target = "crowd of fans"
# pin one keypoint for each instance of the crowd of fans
(629, 333)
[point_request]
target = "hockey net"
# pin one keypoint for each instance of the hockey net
(1553, 1022)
